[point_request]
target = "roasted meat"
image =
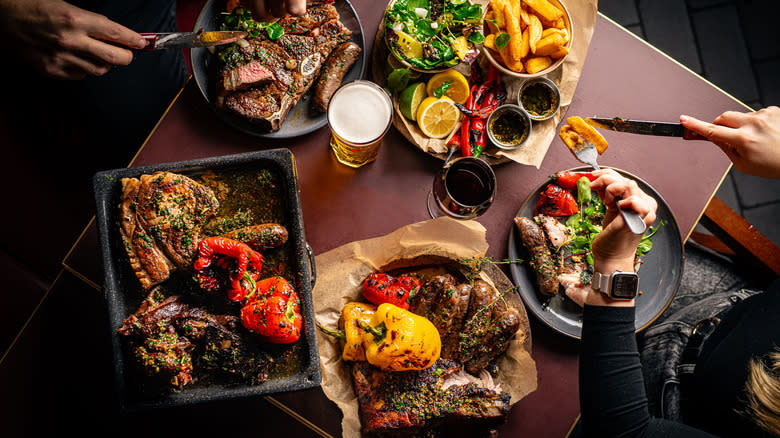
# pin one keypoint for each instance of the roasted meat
(260, 237)
(540, 258)
(414, 400)
(265, 79)
(423, 302)
(161, 216)
(448, 312)
(175, 341)
(336, 66)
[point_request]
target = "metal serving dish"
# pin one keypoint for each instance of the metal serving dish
(123, 292)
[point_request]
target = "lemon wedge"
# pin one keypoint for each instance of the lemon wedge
(437, 117)
(408, 46)
(459, 85)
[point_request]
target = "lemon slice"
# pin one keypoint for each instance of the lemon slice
(410, 99)
(459, 85)
(408, 46)
(437, 117)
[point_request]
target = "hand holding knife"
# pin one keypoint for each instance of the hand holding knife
(184, 40)
(642, 127)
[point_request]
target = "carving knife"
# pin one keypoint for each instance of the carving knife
(665, 129)
(184, 40)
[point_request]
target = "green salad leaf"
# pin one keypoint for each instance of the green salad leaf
(442, 90)
(502, 40)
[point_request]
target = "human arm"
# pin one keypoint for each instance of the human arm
(612, 390)
(750, 140)
(63, 41)
(276, 8)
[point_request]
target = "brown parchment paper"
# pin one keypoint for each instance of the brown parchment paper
(341, 271)
(583, 18)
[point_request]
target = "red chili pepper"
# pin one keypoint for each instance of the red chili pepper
(556, 201)
(493, 73)
(465, 144)
(242, 283)
(478, 136)
(568, 179)
(379, 288)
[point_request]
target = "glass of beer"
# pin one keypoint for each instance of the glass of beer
(359, 115)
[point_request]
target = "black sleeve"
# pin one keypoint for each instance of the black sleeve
(612, 389)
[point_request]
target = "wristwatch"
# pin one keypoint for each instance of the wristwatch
(619, 285)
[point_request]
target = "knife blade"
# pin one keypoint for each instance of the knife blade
(642, 127)
(184, 40)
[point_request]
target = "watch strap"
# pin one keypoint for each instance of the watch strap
(600, 282)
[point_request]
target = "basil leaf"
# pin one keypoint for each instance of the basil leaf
(502, 40)
(476, 37)
(442, 90)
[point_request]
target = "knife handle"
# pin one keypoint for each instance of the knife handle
(151, 41)
(690, 135)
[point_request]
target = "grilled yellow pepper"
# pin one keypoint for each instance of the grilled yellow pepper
(350, 332)
(351, 316)
(399, 340)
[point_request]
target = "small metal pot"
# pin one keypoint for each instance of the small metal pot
(550, 86)
(500, 111)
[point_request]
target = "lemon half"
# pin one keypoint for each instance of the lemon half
(437, 117)
(459, 85)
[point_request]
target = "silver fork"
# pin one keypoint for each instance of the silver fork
(588, 154)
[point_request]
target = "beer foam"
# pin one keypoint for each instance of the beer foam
(359, 113)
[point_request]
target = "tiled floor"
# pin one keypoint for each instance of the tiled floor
(735, 44)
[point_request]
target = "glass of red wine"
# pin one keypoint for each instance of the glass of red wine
(463, 189)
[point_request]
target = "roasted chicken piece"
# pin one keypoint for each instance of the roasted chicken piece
(161, 216)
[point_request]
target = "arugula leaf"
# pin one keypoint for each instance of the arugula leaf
(442, 90)
(646, 244)
(502, 40)
(476, 37)
(466, 11)
(414, 4)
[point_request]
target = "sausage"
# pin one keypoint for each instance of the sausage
(425, 300)
(540, 258)
(260, 237)
(336, 66)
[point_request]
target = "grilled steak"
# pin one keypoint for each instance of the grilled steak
(161, 216)
(264, 80)
(413, 400)
(175, 342)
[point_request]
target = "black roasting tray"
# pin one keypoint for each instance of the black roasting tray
(124, 293)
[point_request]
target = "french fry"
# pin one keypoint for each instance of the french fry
(570, 137)
(563, 51)
(524, 20)
(498, 13)
(490, 41)
(537, 64)
(588, 133)
(535, 30)
(549, 45)
(551, 30)
(526, 48)
(559, 23)
(512, 18)
(546, 11)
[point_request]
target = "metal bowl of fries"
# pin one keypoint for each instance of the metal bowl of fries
(527, 38)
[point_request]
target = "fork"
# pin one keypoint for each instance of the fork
(587, 153)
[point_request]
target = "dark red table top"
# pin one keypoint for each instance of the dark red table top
(622, 76)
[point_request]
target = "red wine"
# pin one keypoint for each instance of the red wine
(464, 189)
(468, 183)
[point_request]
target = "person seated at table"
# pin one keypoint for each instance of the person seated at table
(731, 379)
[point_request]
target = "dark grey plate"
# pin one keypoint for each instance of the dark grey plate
(124, 293)
(301, 119)
(659, 275)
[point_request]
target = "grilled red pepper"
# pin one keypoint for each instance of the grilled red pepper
(242, 280)
(556, 201)
(568, 179)
(380, 288)
(275, 320)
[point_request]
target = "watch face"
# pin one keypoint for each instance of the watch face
(624, 285)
